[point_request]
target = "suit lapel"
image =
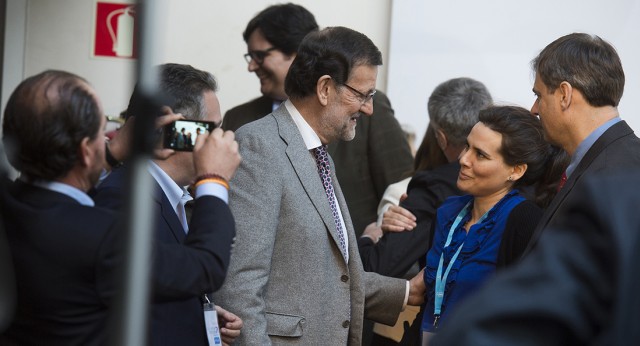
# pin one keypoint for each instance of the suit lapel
(614, 133)
(305, 167)
(168, 214)
(344, 208)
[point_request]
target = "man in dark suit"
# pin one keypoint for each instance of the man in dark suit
(193, 94)
(579, 83)
(65, 251)
(579, 286)
(377, 157)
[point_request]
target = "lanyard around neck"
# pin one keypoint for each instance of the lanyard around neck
(441, 279)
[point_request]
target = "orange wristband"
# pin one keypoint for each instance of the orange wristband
(211, 178)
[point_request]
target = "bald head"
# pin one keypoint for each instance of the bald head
(46, 118)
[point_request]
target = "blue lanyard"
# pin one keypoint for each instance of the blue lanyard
(441, 279)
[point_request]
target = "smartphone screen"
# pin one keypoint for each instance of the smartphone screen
(181, 135)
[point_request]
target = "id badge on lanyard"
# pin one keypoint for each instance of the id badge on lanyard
(211, 323)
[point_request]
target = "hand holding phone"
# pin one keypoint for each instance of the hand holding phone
(181, 135)
(217, 153)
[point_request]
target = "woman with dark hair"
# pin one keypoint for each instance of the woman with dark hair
(490, 226)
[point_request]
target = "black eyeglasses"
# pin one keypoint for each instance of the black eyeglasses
(257, 55)
(361, 96)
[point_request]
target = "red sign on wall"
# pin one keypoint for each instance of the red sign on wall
(115, 29)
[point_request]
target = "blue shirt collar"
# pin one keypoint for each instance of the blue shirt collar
(587, 143)
(65, 189)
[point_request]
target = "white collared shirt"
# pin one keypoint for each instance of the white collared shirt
(176, 193)
(173, 192)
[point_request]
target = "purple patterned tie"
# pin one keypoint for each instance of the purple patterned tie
(324, 169)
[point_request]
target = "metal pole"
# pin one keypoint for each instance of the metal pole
(7, 279)
(132, 324)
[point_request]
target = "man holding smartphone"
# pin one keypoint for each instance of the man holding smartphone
(193, 93)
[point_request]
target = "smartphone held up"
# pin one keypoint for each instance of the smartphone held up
(181, 135)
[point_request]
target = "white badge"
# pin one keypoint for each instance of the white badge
(211, 324)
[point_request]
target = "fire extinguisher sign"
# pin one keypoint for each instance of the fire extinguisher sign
(114, 34)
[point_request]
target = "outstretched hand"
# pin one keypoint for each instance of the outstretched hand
(398, 219)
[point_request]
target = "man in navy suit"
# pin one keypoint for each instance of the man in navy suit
(192, 93)
(65, 250)
(579, 83)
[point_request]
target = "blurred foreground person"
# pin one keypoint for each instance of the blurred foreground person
(578, 287)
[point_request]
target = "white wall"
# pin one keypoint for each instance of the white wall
(204, 33)
(13, 66)
(494, 41)
(218, 47)
(431, 41)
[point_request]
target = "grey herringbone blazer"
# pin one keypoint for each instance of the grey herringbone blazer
(287, 279)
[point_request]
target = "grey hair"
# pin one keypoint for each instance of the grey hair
(454, 106)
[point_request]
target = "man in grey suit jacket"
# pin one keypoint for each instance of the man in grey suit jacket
(377, 157)
(579, 83)
(295, 275)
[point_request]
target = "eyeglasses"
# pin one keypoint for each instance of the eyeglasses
(257, 55)
(364, 98)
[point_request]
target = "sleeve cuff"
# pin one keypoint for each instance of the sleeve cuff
(369, 237)
(213, 189)
(406, 296)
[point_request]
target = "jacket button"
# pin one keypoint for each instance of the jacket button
(345, 324)
(344, 278)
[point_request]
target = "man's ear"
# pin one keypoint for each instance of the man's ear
(85, 155)
(566, 94)
(323, 89)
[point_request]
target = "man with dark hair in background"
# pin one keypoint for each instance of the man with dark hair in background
(377, 157)
(192, 93)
